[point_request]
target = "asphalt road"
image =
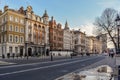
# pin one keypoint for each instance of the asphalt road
(45, 70)
(37, 59)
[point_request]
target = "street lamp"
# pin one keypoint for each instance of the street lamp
(117, 20)
(51, 55)
(26, 50)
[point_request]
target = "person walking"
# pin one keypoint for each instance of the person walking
(112, 53)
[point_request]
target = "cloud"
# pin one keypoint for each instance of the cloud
(109, 3)
(88, 28)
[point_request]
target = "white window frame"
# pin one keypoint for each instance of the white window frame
(10, 49)
(22, 30)
(10, 38)
(11, 18)
(16, 29)
(16, 39)
(21, 39)
(11, 28)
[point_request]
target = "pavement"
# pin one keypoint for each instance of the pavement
(5, 63)
(107, 61)
(24, 60)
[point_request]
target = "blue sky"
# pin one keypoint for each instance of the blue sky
(78, 13)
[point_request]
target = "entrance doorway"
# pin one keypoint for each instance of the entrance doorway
(47, 52)
(21, 51)
(29, 52)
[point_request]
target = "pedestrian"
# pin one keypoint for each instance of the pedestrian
(112, 53)
(51, 56)
(82, 54)
(8, 55)
(71, 55)
(3, 56)
(13, 55)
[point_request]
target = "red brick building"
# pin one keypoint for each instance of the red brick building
(56, 35)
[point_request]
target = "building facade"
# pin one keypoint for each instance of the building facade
(36, 33)
(80, 41)
(87, 48)
(12, 30)
(23, 32)
(95, 45)
(56, 35)
(67, 38)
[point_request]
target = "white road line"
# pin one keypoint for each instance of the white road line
(21, 71)
(86, 67)
(36, 63)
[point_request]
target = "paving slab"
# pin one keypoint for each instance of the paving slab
(107, 61)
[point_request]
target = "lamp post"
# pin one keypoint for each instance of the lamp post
(117, 58)
(117, 20)
(26, 50)
(51, 55)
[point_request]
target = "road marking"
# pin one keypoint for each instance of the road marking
(21, 71)
(37, 63)
(84, 68)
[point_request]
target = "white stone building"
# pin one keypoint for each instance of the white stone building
(80, 41)
(67, 38)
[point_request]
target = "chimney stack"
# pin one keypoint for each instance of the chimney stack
(5, 8)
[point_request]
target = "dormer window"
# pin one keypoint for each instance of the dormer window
(11, 18)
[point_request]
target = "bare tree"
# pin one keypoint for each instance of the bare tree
(106, 24)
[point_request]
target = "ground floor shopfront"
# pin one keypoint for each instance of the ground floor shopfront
(23, 50)
(37, 50)
(10, 48)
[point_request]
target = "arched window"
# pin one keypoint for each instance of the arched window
(39, 27)
(35, 25)
(11, 28)
(16, 39)
(43, 27)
